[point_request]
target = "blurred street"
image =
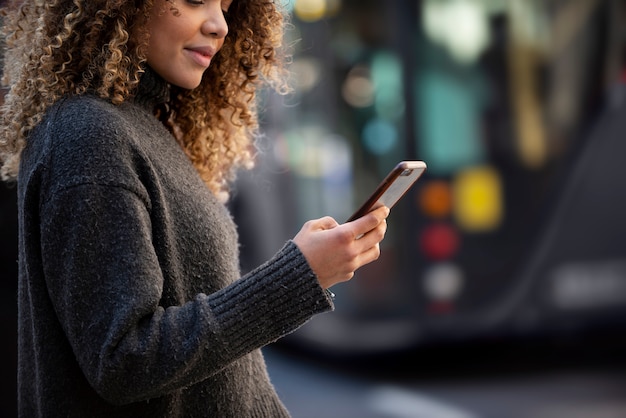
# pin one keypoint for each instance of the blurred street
(527, 381)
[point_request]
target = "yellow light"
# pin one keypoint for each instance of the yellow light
(310, 10)
(477, 199)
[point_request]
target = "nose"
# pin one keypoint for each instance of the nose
(215, 24)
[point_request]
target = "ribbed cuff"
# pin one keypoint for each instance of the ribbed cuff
(269, 302)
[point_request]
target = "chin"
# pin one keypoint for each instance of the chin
(187, 83)
(187, 86)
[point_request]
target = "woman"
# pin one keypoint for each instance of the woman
(124, 125)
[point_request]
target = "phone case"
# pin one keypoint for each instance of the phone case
(393, 187)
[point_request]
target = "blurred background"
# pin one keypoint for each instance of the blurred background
(516, 106)
(502, 279)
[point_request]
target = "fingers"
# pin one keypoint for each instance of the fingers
(334, 252)
(368, 223)
(371, 254)
(369, 243)
(353, 263)
(362, 240)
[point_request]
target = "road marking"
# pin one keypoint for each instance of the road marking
(395, 402)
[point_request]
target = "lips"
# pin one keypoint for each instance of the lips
(201, 55)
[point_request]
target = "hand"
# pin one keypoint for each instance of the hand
(335, 251)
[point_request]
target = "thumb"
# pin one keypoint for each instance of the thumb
(325, 223)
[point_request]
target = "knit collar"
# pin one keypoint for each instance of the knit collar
(152, 91)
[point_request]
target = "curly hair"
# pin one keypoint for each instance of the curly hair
(60, 47)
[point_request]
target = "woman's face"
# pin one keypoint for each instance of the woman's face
(183, 44)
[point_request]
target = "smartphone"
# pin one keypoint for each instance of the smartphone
(392, 188)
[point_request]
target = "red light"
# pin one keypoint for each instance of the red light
(439, 241)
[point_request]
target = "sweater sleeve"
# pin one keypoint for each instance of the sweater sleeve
(105, 282)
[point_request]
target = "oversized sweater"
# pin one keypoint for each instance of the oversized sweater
(131, 302)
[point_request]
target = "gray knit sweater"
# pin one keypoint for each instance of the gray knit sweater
(131, 302)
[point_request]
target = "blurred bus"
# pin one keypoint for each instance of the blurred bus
(516, 106)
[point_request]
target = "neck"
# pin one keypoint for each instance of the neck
(153, 90)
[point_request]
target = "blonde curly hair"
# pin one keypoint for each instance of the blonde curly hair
(60, 47)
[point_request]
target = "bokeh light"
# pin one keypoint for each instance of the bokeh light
(478, 199)
(439, 241)
(306, 72)
(435, 199)
(443, 281)
(469, 18)
(379, 136)
(313, 10)
(358, 89)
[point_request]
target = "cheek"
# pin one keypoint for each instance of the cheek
(165, 29)
(154, 51)
(161, 43)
